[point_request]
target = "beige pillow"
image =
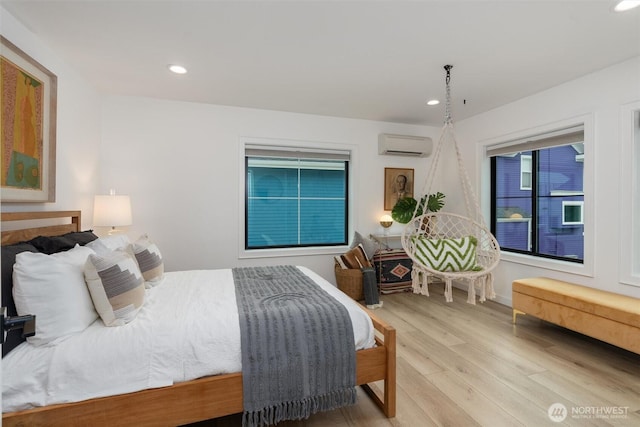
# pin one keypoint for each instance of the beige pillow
(116, 286)
(149, 259)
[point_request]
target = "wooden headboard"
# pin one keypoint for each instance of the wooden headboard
(14, 236)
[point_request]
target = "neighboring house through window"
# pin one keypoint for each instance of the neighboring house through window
(572, 212)
(295, 197)
(525, 172)
(538, 196)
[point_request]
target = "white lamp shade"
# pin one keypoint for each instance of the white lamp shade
(112, 211)
(386, 218)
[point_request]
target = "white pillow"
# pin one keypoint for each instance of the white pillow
(116, 286)
(149, 259)
(53, 288)
(114, 241)
(99, 247)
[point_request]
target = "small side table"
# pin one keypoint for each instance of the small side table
(386, 241)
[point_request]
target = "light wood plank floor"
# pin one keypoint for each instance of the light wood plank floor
(465, 365)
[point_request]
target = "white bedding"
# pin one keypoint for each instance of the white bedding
(187, 328)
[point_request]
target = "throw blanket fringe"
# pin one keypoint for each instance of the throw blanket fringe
(299, 409)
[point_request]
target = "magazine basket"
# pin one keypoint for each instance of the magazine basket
(349, 281)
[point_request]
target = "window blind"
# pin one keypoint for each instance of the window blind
(296, 153)
(295, 196)
(567, 136)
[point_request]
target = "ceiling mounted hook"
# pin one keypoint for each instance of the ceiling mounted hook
(448, 69)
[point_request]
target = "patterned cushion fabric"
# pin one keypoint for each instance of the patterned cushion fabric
(149, 259)
(356, 258)
(52, 287)
(116, 286)
(448, 254)
(393, 270)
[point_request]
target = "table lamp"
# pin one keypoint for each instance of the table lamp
(112, 211)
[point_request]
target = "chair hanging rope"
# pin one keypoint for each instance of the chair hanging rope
(448, 245)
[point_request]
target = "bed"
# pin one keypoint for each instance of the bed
(188, 401)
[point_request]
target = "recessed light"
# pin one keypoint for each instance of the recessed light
(433, 102)
(178, 69)
(623, 5)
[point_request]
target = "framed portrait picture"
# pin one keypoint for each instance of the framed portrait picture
(27, 128)
(398, 184)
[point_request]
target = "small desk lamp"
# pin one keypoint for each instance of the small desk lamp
(112, 211)
(386, 221)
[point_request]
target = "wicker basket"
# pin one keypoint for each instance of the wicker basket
(350, 282)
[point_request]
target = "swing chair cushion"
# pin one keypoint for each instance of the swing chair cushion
(447, 254)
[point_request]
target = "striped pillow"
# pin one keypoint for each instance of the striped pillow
(448, 254)
(116, 286)
(149, 259)
(356, 258)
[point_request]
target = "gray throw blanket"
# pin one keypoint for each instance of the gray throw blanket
(298, 350)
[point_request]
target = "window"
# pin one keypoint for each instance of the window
(572, 212)
(538, 196)
(630, 195)
(525, 172)
(295, 197)
(634, 200)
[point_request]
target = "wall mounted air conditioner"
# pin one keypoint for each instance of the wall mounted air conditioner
(404, 145)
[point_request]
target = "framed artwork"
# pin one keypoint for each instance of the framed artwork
(28, 96)
(398, 184)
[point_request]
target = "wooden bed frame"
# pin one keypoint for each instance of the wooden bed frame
(191, 401)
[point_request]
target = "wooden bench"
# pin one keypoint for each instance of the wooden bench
(603, 315)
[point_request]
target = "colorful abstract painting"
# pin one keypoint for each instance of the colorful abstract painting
(22, 100)
(27, 128)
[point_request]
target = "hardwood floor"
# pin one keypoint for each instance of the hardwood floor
(465, 365)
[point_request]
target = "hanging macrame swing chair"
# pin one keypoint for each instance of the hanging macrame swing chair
(446, 245)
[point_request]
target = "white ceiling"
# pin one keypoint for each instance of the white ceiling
(378, 60)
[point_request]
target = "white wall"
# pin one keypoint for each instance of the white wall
(78, 128)
(599, 96)
(181, 164)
